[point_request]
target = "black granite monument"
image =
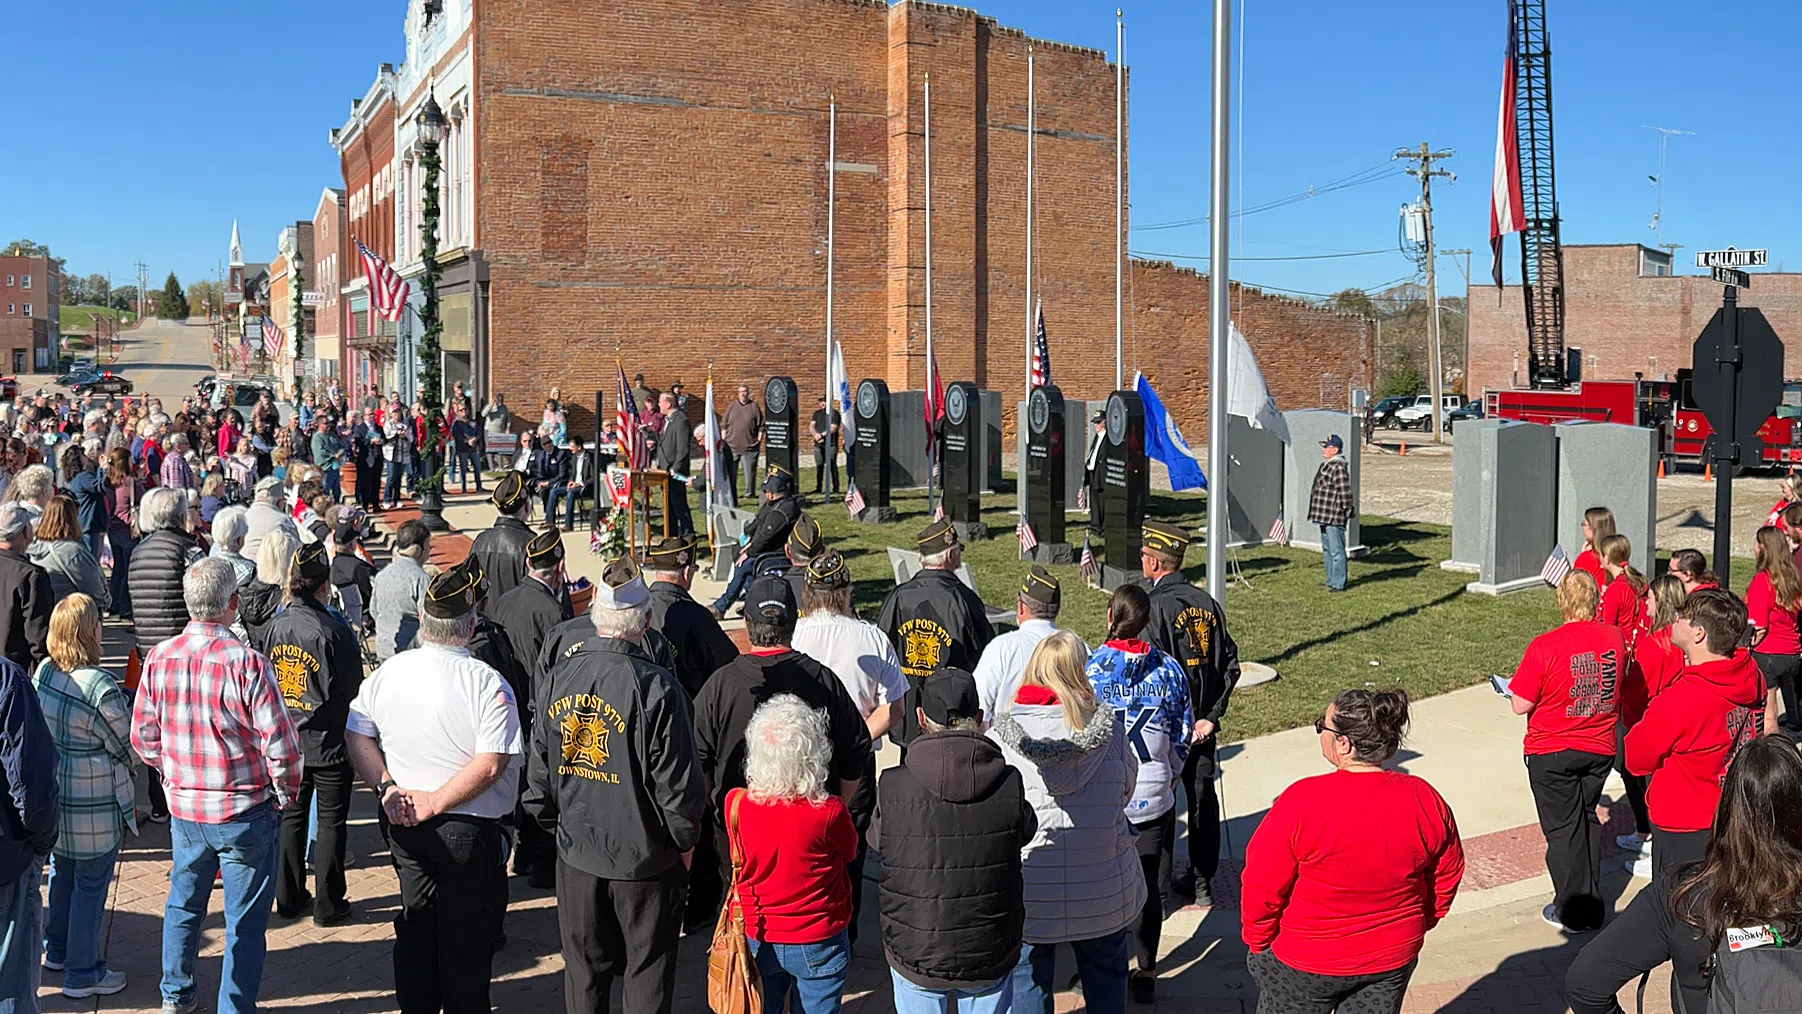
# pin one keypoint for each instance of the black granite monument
(869, 436)
(1125, 485)
(963, 460)
(1045, 467)
(781, 437)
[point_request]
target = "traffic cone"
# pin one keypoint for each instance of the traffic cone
(1404, 450)
(1707, 472)
(1661, 468)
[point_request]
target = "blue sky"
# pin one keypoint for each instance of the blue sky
(222, 110)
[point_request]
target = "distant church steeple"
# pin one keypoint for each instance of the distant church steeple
(237, 253)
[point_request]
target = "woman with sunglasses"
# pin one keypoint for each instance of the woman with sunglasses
(1349, 870)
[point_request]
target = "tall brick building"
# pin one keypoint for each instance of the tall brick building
(365, 146)
(651, 179)
(31, 296)
(327, 322)
(1625, 313)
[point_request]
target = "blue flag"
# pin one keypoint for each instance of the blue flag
(1165, 443)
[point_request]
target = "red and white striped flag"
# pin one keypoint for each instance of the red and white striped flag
(1556, 567)
(1506, 213)
(1041, 352)
(1279, 532)
(1086, 565)
(1028, 541)
(631, 434)
(387, 289)
(935, 402)
(854, 499)
(272, 339)
(619, 485)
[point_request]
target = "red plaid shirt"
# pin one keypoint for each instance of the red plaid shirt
(210, 719)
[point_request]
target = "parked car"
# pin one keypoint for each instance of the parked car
(104, 382)
(1418, 413)
(83, 365)
(1383, 412)
(9, 387)
(1470, 410)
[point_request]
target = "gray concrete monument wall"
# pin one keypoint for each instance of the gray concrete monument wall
(1613, 466)
(1467, 498)
(1076, 437)
(1307, 428)
(1509, 469)
(907, 439)
(1254, 482)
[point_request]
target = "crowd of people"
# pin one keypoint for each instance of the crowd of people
(662, 780)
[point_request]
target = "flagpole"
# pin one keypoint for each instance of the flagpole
(1031, 131)
(1119, 186)
(926, 129)
(831, 207)
(1219, 314)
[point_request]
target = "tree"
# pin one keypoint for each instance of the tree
(205, 297)
(28, 248)
(125, 298)
(95, 290)
(1353, 301)
(173, 303)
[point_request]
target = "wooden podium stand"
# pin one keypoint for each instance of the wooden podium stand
(642, 482)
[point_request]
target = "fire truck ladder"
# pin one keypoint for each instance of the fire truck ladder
(1542, 257)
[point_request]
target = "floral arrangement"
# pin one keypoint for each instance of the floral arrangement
(610, 538)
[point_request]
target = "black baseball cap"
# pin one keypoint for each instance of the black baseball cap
(950, 694)
(771, 599)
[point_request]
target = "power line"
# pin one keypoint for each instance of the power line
(1298, 257)
(1374, 174)
(1324, 295)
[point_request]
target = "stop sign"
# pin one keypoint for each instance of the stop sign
(1759, 377)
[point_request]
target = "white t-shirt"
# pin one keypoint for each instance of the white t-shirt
(434, 709)
(857, 653)
(1003, 663)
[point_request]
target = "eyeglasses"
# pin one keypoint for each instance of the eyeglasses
(1320, 726)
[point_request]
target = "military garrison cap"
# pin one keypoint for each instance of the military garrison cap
(311, 564)
(828, 570)
(621, 586)
(779, 481)
(1166, 538)
(1041, 586)
(455, 592)
(545, 550)
(937, 537)
(673, 553)
(805, 538)
(509, 493)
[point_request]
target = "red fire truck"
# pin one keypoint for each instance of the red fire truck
(1663, 405)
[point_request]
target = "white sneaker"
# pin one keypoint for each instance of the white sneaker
(1641, 867)
(1631, 843)
(1550, 915)
(112, 982)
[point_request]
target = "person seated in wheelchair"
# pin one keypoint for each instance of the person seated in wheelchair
(766, 535)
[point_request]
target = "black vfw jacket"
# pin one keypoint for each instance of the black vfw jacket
(526, 615)
(318, 668)
(611, 769)
(934, 621)
(694, 636)
(1189, 626)
(501, 550)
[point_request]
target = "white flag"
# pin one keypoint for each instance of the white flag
(719, 491)
(1246, 395)
(841, 385)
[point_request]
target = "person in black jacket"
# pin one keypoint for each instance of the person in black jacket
(767, 533)
(955, 820)
(25, 590)
(700, 645)
(366, 456)
(612, 771)
(157, 564)
(934, 620)
(527, 614)
(30, 822)
(502, 549)
(675, 445)
(1189, 626)
(318, 669)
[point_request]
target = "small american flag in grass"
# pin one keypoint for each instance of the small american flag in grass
(1086, 565)
(1028, 540)
(854, 500)
(1279, 532)
(1556, 566)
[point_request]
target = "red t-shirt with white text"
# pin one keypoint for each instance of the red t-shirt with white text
(1571, 674)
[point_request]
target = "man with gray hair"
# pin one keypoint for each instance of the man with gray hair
(175, 472)
(25, 591)
(933, 619)
(612, 772)
(158, 604)
(436, 732)
(265, 515)
(210, 719)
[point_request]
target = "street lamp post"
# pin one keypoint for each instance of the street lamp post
(431, 487)
(297, 283)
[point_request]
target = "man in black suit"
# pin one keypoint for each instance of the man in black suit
(675, 445)
(550, 470)
(577, 482)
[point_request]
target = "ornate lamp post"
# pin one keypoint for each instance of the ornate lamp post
(431, 488)
(296, 282)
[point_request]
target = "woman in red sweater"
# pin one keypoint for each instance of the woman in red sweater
(1349, 870)
(1656, 662)
(791, 842)
(1598, 524)
(1772, 602)
(1573, 671)
(1624, 590)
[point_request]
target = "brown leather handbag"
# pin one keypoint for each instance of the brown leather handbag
(733, 983)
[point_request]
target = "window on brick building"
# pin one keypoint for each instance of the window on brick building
(27, 310)
(24, 281)
(9, 279)
(11, 309)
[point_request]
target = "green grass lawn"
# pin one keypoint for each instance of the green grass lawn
(1402, 620)
(81, 318)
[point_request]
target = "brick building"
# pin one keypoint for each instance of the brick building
(293, 238)
(1625, 313)
(31, 294)
(326, 277)
(651, 180)
(365, 146)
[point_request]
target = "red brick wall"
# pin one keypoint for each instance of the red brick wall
(1622, 322)
(367, 154)
(652, 181)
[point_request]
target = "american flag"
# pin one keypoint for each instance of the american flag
(1556, 566)
(631, 434)
(1279, 532)
(272, 340)
(1086, 565)
(387, 290)
(1023, 532)
(1082, 498)
(1506, 212)
(935, 400)
(854, 499)
(938, 511)
(1041, 352)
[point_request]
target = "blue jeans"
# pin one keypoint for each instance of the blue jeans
(735, 588)
(329, 477)
(20, 911)
(396, 469)
(1332, 552)
(245, 851)
(77, 908)
(815, 972)
(1100, 963)
(561, 495)
(466, 463)
(912, 999)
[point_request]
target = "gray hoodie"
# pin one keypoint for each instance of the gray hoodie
(1082, 874)
(72, 569)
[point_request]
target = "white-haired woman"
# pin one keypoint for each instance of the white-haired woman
(33, 487)
(229, 529)
(791, 840)
(261, 597)
(167, 548)
(1084, 884)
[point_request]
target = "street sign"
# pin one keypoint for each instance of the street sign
(1731, 258)
(312, 299)
(1731, 276)
(1760, 375)
(234, 298)
(253, 335)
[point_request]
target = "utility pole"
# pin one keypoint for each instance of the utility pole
(143, 280)
(1423, 160)
(1454, 254)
